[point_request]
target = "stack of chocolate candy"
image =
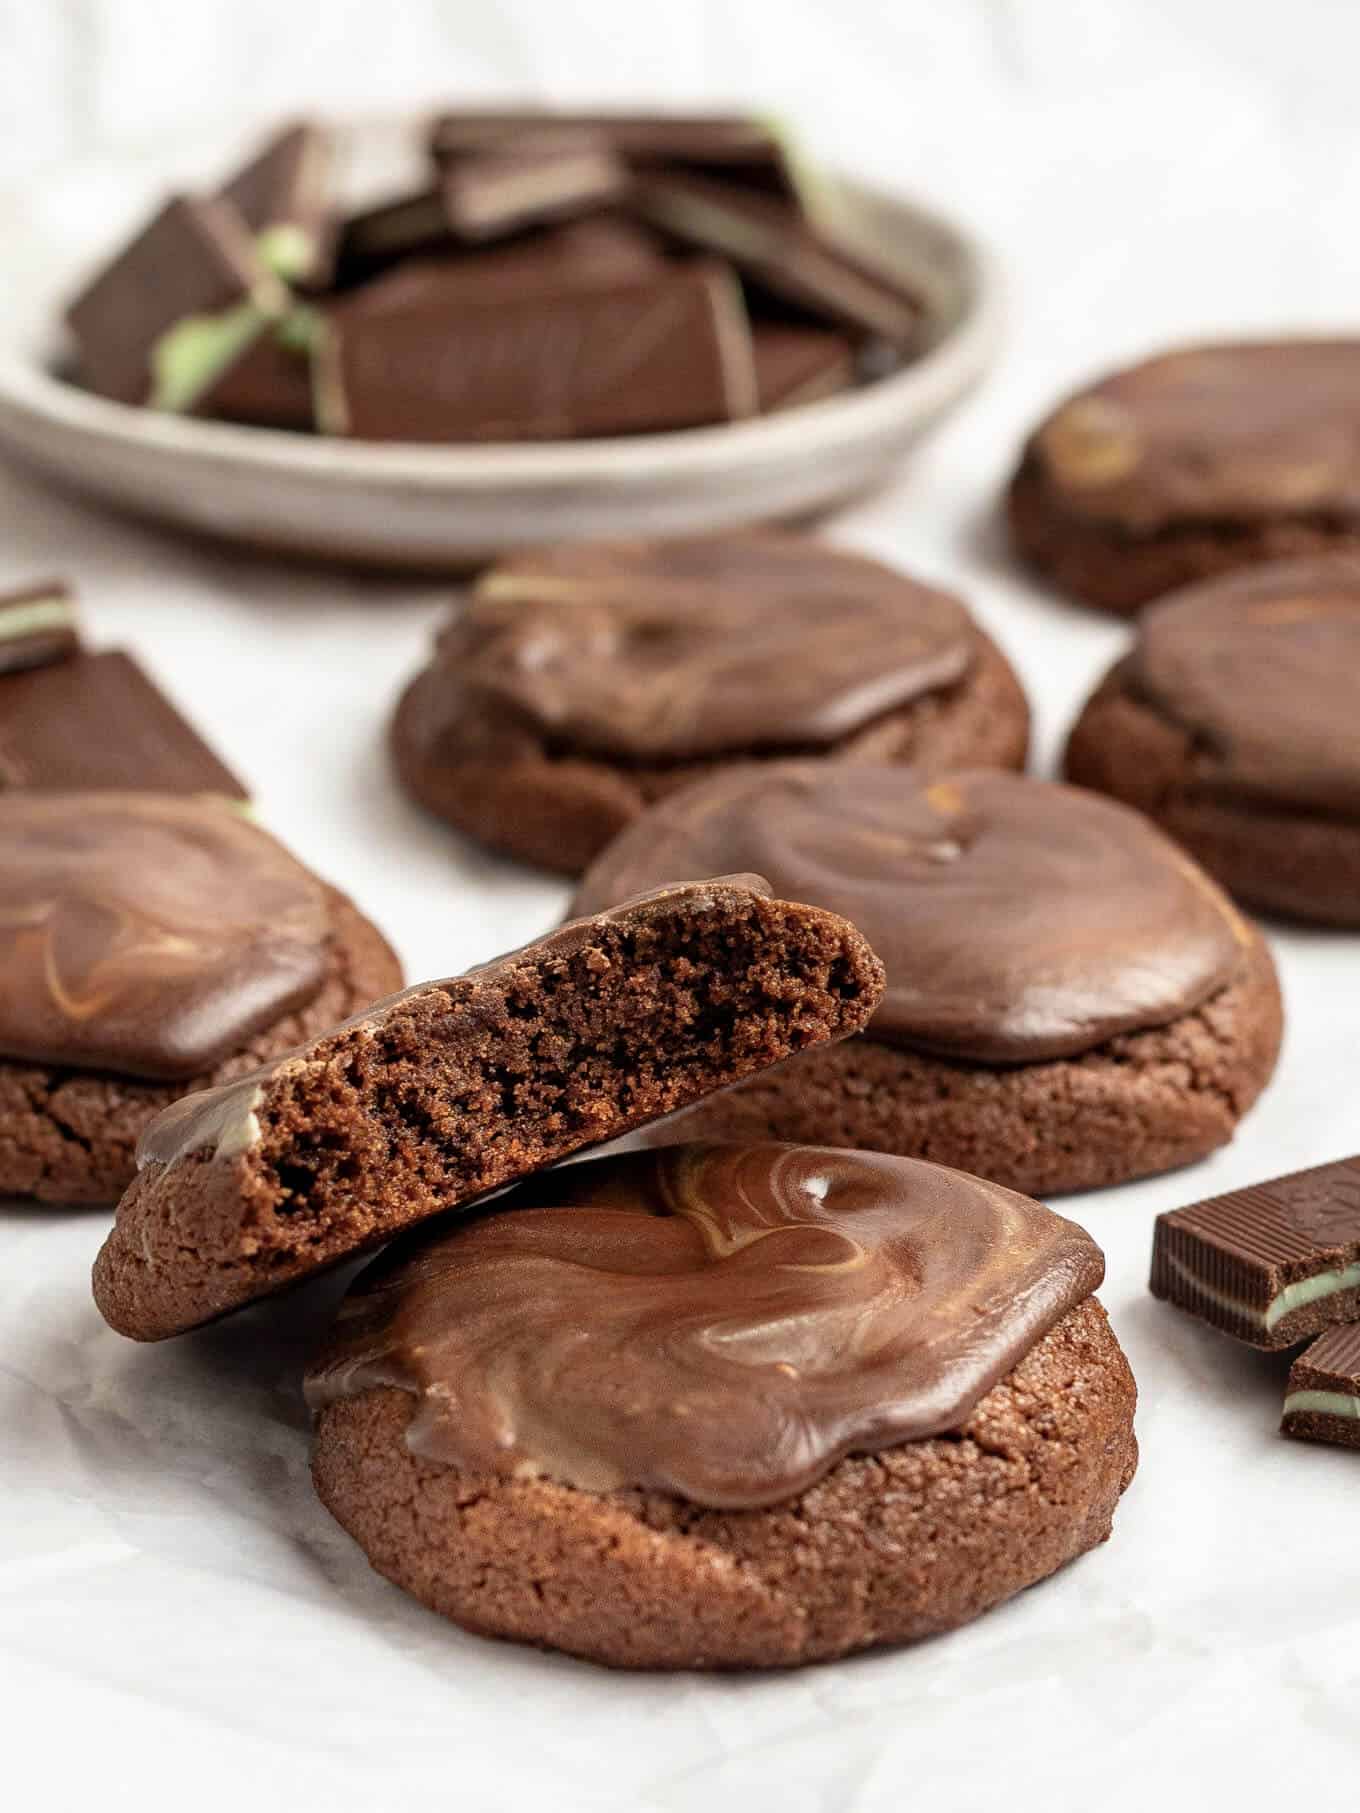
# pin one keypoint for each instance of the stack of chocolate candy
(1276, 1264)
(554, 277)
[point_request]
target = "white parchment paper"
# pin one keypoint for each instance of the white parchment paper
(180, 1622)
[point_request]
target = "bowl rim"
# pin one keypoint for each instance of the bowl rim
(30, 392)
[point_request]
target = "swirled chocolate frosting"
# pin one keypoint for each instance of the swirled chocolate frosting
(656, 651)
(1262, 667)
(724, 1322)
(148, 935)
(1211, 433)
(1018, 920)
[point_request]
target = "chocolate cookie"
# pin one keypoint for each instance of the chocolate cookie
(1070, 1001)
(151, 944)
(1233, 724)
(580, 684)
(455, 1088)
(727, 1406)
(1191, 464)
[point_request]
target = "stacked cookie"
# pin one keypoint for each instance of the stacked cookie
(590, 1412)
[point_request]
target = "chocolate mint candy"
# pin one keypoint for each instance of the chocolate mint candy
(1272, 1263)
(671, 353)
(581, 254)
(284, 196)
(1322, 1403)
(740, 149)
(176, 308)
(544, 176)
(774, 248)
(797, 364)
(98, 721)
(37, 625)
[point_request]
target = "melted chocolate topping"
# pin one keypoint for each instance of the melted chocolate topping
(1261, 667)
(148, 935)
(657, 651)
(723, 1322)
(1213, 433)
(1017, 920)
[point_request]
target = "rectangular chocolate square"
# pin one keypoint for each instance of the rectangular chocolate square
(175, 307)
(38, 624)
(284, 196)
(1272, 1263)
(674, 352)
(740, 149)
(97, 720)
(773, 246)
(582, 254)
(530, 181)
(1322, 1402)
(270, 386)
(796, 364)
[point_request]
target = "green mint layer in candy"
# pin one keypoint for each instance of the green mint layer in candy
(299, 328)
(287, 249)
(35, 615)
(190, 356)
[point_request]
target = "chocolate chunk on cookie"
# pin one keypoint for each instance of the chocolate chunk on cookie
(459, 1087)
(1070, 1001)
(727, 1406)
(1232, 722)
(150, 944)
(1191, 464)
(577, 685)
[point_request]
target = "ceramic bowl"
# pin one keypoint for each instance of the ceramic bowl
(442, 507)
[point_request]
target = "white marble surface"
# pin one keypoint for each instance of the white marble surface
(179, 1622)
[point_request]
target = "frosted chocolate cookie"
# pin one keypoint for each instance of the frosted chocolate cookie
(454, 1088)
(577, 685)
(727, 1406)
(1191, 464)
(150, 945)
(1071, 1002)
(1233, 723)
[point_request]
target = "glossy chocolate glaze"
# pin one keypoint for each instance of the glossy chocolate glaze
(148, 935)
(672, 650)
(720, 1321)
(1261, 668)
(1018, 920)
(1211, 434)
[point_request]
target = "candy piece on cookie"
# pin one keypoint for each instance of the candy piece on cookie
(629, 1394)
(459, 1087)
(1272, 1263)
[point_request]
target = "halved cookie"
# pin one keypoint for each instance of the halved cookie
(456, 1088)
